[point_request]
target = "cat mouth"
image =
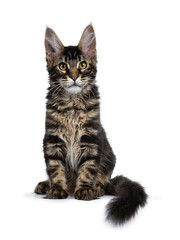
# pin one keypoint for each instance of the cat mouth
(74, 85)
(74, 88)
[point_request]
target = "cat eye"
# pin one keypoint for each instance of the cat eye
(63, 66)
(82, 65)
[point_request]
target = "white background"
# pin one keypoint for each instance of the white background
(138, 46)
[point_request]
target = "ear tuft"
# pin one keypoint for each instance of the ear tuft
(53, 45)
(87, 43)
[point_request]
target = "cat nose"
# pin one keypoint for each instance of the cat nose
(74, 77)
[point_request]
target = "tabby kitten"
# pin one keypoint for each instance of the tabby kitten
(78, 156)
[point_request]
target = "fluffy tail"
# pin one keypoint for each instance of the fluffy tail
(129, 197)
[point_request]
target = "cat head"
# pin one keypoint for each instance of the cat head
(71, 68)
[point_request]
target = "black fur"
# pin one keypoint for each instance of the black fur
(129, 197)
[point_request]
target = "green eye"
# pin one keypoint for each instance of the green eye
(63, 66)
(83, 65)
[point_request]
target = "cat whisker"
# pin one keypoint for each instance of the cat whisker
(54, 87)
(56, 91)
(90, 91)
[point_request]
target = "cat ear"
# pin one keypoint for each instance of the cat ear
(53, 45)
(87, 43)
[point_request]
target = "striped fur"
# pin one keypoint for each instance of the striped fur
(78, 156)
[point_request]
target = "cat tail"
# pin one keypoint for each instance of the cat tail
(129, 197)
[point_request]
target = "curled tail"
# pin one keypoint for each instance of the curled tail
(129, 197)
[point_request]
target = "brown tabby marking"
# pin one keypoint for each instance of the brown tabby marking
(56, 192)
(42, 187)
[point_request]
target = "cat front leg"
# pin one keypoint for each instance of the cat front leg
(88, 169)
(55, 153)
(101, 181)
(56, 173)
(86, 181)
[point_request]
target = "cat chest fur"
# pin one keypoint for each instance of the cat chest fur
(70, 131)
(71, 120)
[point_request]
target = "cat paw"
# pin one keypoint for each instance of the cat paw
(42, 187)
(56, 192)
(84, 193)
(99, 190)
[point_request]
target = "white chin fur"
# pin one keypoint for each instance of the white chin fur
(74, 89)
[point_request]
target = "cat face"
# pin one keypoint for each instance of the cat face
(71, 68)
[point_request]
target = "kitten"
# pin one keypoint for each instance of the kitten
(78, 156)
